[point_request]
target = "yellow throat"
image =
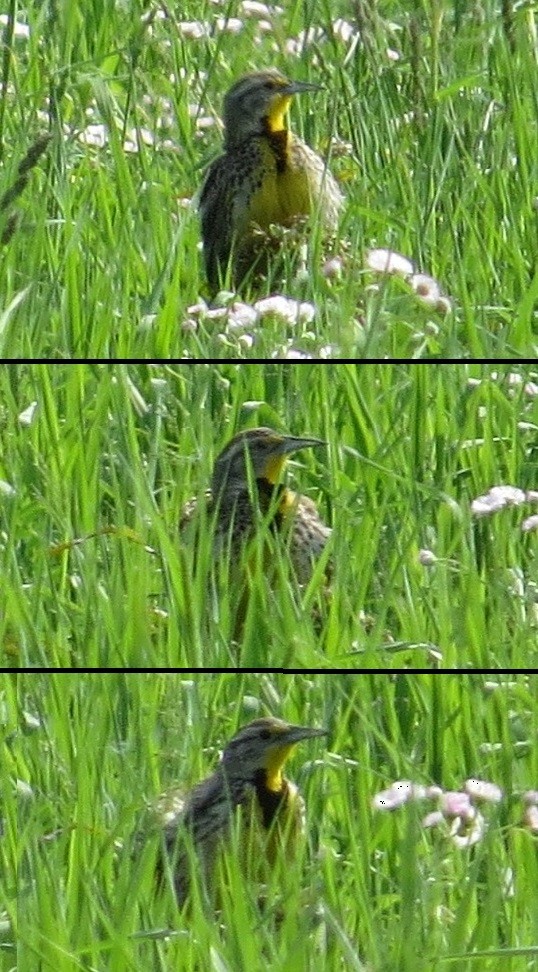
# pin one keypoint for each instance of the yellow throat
(273, 767)
(277, 113)
(274, 468)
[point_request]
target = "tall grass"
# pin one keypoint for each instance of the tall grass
(376, 891)
(97, 470)
(432, 113)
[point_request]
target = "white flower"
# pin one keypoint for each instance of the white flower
(387, 261)
(496, 499)
(289, 310)
(483, 790)
(427, 558)
(27, 416)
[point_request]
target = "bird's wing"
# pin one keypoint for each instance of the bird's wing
(216, 212)
(206, 815)
(224, 201)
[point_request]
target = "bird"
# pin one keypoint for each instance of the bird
(266, 175)
(246, 491)
(247, 790)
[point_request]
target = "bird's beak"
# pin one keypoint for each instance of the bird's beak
(296, 87)
(283, 448)
(293, 443)
(295, 734)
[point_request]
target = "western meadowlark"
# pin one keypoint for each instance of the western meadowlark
(238, 503)
(247, 789)
(266, 174)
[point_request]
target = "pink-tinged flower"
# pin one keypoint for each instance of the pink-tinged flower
(427, 558)
(485, 505)
(511, 495)
(531, 523)
(454, 803)
(481, 790)
(531, 496)
(530, 797)
(496, 499)
(466, 831)
(466, 828)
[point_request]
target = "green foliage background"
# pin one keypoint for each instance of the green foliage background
(98, 461)
(434, 110)
(90, 750)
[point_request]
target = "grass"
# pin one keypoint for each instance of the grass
(89, 750)
(435, 151)
(98, 460)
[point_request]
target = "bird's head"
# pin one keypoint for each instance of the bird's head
(264, 744)
(266, 451)
(257, 104)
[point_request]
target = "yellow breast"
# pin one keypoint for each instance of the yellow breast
(282, 195)
(263, 849)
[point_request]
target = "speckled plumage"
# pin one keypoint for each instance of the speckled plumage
(292, 516)
(267, 175)
(247, 782)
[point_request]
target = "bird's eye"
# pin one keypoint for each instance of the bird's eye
(265, 734)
